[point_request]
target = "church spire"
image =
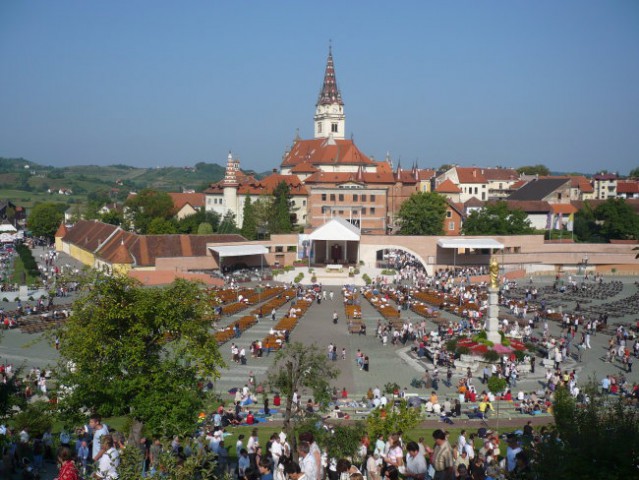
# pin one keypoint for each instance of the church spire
(329, 109)
(330, 94)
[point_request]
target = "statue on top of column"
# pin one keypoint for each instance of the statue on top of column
(494, 272)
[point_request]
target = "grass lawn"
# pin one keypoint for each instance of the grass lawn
(20, 275)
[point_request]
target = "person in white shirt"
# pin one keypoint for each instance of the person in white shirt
(109, 460)
(308, 464)
(99, 430)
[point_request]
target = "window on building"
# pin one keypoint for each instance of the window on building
(303, 203)
(332, 197)
(334, 127)
(341, 212)
(363, 198)
(341, 197)
(449, 214)
(355, 197)
(279, 248)
(319, 127)
(372, 210)
(451, 226)
(372, 198)
(483, 195)
(476, 190)
(323, 197)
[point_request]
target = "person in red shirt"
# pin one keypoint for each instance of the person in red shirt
(250, 419)
(68, 470)
(277, 401)
(344, 393)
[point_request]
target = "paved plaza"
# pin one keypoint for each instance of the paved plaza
(387, 363)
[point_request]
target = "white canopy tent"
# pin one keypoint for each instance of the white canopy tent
(474, 243)
(224, 251)
(336, 230)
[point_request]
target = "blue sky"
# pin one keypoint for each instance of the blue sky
(155, 83)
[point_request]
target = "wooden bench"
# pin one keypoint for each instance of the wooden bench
(334, 267)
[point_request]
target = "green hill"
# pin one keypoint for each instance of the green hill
(26, 183)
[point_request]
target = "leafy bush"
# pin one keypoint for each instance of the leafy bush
(367, 279)
(391, 387)
(519, 355)
(298, 278)
(480, 335)
(505, 341)
(531, 347)
(37, 418)
(462, 351)
(451, 345)
(388, 271)
(491, 356)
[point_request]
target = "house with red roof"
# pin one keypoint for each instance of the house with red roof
(186, 204)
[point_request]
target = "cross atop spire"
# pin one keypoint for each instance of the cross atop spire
(330, 94)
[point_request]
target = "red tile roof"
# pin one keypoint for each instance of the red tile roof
(303, 167)
(497, 174)
(61, 231)
(627, 186)
(325, 151)
(470, 175)
(563, 208)
(447, 186)
(89, 234)
(142, 250)
(196, 200)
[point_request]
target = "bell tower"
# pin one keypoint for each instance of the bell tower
(330, 120)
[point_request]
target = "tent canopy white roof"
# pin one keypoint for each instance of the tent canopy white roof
(239, 250)
(7, 227)
(336, 229)
(476, 243)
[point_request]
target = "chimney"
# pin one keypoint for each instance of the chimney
(474, 173)
(275, 170)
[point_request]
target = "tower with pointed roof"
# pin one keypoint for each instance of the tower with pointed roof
(330, 120)
(231, 184)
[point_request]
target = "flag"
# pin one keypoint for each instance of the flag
(571, 222)
(560, 222)
(549, 221)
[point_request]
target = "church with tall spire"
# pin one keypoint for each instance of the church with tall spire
(328, 150)
(330, 120)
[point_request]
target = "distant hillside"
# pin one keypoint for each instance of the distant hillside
(27, 182)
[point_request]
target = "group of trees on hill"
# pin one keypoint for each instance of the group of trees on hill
(424, 213)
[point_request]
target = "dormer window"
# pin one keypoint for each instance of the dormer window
(334, 127)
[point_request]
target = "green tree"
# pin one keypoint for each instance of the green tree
(112, 217)
(591, 440)
(617, 220)
(281, 214)
(497, 219)
(541, 170)
(263, 208)
(204, 228)
(634, 173)
(249, 223)
(227, 225)
(401, 417)
(191, 223)
(298, 366)
(45, 218)
(161, 226)
(586, 228)
(422, 214)
(148, 205)
(497, 385)
(128, 350)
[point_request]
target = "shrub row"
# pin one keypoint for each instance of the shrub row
(30, 264)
